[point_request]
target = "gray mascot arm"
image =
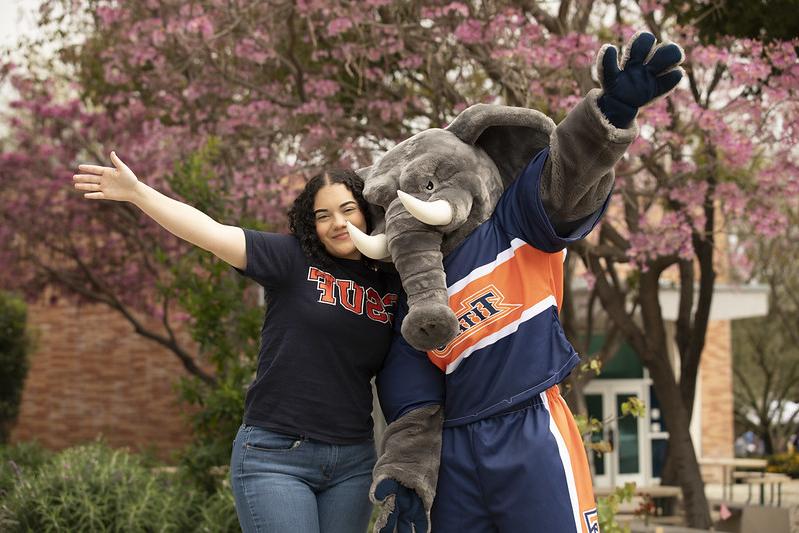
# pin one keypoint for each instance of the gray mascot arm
(411, 392)
(593, 137)
(407, 470)
(578, 175)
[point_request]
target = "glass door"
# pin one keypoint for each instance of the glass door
(626, 462)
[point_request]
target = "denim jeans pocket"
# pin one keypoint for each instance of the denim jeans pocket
(269, 441)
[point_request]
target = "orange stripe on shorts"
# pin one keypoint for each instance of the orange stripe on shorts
(567, 427)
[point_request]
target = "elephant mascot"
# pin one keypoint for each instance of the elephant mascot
(477, 218)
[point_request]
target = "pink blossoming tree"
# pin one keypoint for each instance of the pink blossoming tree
(222, 103)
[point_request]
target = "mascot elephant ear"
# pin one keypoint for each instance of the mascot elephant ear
(376, 213)
(363, 173)
(511, 136)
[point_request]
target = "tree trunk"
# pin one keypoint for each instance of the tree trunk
(650, 342)
(682, 463)
(768, 441)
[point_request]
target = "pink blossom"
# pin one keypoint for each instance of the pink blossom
(469, 32)
(767, 222)
(339, 25)
(656, 114)
(456, 7)
(108, 15)
(322, 88)
(708, 56)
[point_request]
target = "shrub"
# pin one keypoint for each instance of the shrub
(14, 346)
(95, 488)
(784, 463)
(608, 506)
(18, 462)
(218, 513)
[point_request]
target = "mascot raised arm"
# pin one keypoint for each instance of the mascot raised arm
(477, 219)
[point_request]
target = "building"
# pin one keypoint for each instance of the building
(639, 444)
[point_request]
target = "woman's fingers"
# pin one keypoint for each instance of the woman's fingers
(94, 169)
(118, 162)
(88, 186)
(105, 183)
(86, 178)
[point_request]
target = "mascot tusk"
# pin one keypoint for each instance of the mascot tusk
(436, 213)
(372, 246)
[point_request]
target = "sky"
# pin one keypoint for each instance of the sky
(16, 17)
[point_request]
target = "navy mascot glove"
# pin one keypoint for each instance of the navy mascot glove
(647, 72)
(408, 508)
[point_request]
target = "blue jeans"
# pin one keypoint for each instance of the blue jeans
(283, 483)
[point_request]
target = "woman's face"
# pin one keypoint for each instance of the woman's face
(333, 206)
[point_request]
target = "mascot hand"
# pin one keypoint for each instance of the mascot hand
(403, 508)
(647, 72)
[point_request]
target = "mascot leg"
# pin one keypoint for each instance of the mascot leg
(459, 506)
(524, 470)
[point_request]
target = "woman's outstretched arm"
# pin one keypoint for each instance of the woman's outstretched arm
(121, 184)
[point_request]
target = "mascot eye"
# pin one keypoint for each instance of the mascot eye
(429, 186)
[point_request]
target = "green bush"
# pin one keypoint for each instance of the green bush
(225, 321)
(18, 462)
(14, 346)
(608, 506)
(218, 513)
(95, 488)
(784, 463)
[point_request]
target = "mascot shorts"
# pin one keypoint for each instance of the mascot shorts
(525, 470)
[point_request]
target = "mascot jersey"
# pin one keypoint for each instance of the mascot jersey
(504, 284)
(511, 454)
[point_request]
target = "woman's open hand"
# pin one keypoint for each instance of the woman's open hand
(107, 183)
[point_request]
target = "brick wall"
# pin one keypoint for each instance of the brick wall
(91, 375)
(715, 373)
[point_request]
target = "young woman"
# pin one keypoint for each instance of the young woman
(302, 459)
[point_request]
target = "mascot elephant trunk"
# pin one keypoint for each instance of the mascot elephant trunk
(430, 323)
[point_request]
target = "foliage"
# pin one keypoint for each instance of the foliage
(223, 320)
(592, 428)
(766, 350)
(608, 506)
(218, 513)
(20, 461)
(766, 380)
(14, 347)
(741, 18)
(95, 488)
(646, 509)
(784, 463)
(288, 87)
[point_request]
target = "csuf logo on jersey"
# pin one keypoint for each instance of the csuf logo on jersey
(353, 297)
(477, 313)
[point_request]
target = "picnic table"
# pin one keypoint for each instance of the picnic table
(762, 479)
(729, 466)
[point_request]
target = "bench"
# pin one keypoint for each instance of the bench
(769, 479)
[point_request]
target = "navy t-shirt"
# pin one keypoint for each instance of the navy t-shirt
(326, 332)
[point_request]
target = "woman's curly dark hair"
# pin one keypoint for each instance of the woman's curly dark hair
(302, 222)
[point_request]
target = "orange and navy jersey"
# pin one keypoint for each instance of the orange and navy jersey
(505, 285)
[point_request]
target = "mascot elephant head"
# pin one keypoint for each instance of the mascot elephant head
(433, 190)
